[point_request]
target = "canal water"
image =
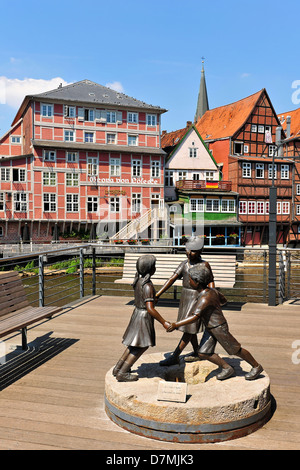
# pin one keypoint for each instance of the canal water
(251, 286)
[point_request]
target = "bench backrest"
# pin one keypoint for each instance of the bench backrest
(12, 293)
(223, 266)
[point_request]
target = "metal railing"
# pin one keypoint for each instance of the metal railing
(61, 276)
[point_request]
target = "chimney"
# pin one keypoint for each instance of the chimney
(188, 123)
(163, 132)
(288, 126)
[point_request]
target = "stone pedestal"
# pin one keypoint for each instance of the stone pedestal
(213, 411)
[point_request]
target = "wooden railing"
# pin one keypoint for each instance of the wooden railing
(204, 185)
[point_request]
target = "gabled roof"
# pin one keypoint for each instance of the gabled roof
(178, 138)
(92, 93)
(171, 139)
(225, 121)
(295, 122)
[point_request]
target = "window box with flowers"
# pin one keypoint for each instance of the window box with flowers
(220, 239)
(145, 241)
(118, 242)
(132, 241)
(232, 239)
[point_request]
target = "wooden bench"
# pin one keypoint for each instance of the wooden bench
(15, 311)
(223, 268)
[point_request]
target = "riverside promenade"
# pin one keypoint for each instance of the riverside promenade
(52, 396)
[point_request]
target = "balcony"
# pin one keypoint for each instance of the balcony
(191, 185)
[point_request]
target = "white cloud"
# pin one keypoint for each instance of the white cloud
(117, 86)
(245, 75)
(13, 90)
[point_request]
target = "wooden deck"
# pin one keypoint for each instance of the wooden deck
(52, 397)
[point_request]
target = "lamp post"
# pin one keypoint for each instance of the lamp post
(272, 223)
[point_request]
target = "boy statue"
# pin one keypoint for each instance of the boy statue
(208, 308)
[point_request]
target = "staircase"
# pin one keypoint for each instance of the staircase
(135, 226)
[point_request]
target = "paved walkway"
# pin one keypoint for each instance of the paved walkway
(52, 397)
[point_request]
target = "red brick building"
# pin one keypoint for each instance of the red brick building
(241, 137)
(78, 155)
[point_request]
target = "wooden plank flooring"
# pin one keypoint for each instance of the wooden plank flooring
(52, 398)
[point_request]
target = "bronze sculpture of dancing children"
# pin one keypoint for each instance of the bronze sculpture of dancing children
(208, 309)
(188, 296)
(140, 332)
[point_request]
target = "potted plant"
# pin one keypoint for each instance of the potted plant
(132, 241)
(232, 238)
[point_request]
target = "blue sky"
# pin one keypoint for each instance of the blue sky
(152, 51)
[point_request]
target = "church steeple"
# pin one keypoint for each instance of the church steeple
(202, 104)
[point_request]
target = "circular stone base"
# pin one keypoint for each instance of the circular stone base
(214, 410)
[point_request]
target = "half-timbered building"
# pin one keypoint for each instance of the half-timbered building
(242, 139)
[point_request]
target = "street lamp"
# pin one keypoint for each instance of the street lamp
(272, 223)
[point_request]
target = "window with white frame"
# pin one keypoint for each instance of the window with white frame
(72, 157)
(228, 205)
(267, 204)
(196, 176)
(89, 137)
(69, 136)
(259, 170)
(298, 189)
(196, 205)
(136, 202)
(20, 202)
(115, 166)
(284, 173)
(5, 174)
(246, 170)
(261, 129)
(136, 168)
(111, 117)
(182, 175)
(272, 168)
(72, 202)
(193, 152)
(2, 202)
(133, 140)
(92, 204)
(110, 138)
(49, 155)
(72, 179)
(89, 114)
(253, 128)
(285, 207)
(278, 207)
(151, 120)
(260, 207)
(49, 178)
(251, 207)
(155, 169)
(212, 205)
(47, 110)
(92, 166)
(15, 139)
(18, 175)
(169, 181)
(272, 150)
(242, 207)
(114, 204)
(70, 111)
(298, 209)
(133, 117)
(49, 202)
(209, 175)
